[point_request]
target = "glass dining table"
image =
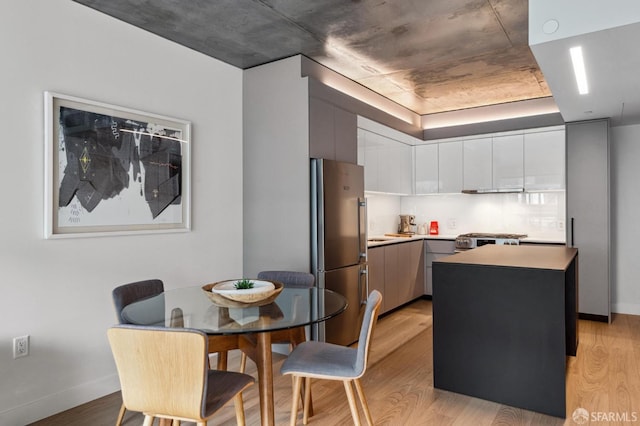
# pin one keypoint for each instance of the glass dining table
(249, 329)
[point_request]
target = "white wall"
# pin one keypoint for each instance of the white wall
(540, 215)
(59, 291)
(576, 17)
(625, 219)
(276, 168)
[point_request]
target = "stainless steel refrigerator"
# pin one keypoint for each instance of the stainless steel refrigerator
(339, 244)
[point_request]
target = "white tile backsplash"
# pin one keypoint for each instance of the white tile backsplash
(540, 215)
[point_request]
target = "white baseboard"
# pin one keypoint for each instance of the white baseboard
(55, 403)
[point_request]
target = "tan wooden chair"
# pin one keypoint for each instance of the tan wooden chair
(327, 361)
(127, 294)
(164, 373)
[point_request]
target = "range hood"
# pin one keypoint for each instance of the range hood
(493, 191)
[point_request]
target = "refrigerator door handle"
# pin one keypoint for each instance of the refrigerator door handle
(362, 228)
(364, 275)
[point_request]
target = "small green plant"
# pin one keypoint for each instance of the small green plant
(244, 284)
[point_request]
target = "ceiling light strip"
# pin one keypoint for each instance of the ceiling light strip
(579, 70)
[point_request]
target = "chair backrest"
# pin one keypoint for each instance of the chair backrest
(369, 320)
(161, 370)
(128, 293)
(291, 279)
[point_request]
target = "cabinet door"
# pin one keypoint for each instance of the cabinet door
(345, 135)
(403, 169)
(332, 132)
(544, 160)
(321, 140)
(372, 145)
(418, 283)
(450, 167)
(588, 211)
(361, 151)
(375, 263)
(391, 276)
(434, 250)
(406, 274)
(426, 169)
(508, 162)
(477, 164)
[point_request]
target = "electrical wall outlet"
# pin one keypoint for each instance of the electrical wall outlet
(452, 223)
(20, 346)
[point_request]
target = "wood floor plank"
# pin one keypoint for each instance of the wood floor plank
(604, 376)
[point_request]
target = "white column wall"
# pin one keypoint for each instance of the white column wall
(59, 291)
(625, 219)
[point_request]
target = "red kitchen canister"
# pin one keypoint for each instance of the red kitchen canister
(433, 228)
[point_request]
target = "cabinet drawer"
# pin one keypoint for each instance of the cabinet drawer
(440, 246)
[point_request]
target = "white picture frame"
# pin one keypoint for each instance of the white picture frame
(111, 170)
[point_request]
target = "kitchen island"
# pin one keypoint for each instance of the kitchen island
(504, 320)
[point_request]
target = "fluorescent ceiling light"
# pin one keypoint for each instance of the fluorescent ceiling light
(578, 69)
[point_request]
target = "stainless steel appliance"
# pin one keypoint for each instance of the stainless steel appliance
(407, 224)
(339, 244)
(470, 241)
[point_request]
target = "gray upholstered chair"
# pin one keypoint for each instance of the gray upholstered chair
(164, 373)
(291, 279)
(328, 361)
(127, 294)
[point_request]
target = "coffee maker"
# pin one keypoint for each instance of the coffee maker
(407, 224)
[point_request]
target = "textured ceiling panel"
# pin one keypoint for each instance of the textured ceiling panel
(429, 56)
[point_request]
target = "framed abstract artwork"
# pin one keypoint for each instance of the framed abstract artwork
(111, 170)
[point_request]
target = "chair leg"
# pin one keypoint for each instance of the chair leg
(148, 420)
(352, 402)
(307, 400)
(123, 409)
(298, 336)
(239, 406)
(243, 362)
(297, 384)
(363, 402)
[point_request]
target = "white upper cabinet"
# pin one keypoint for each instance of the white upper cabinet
(508, 162)
(450, 167)
(544, 160)
(477, 164)
(387, 163)
(426, 169)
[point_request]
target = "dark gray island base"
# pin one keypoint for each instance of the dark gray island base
(504, 319)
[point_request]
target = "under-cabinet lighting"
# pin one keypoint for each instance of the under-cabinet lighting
(579, 70)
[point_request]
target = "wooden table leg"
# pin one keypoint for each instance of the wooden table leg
(265, 378)
(222, 360)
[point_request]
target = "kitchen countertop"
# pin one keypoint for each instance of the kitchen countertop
(395, 240)
(532, 257)
(449, 237)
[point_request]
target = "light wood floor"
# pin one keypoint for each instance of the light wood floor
(603, 378)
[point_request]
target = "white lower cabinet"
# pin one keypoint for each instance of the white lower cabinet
(435, 249)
